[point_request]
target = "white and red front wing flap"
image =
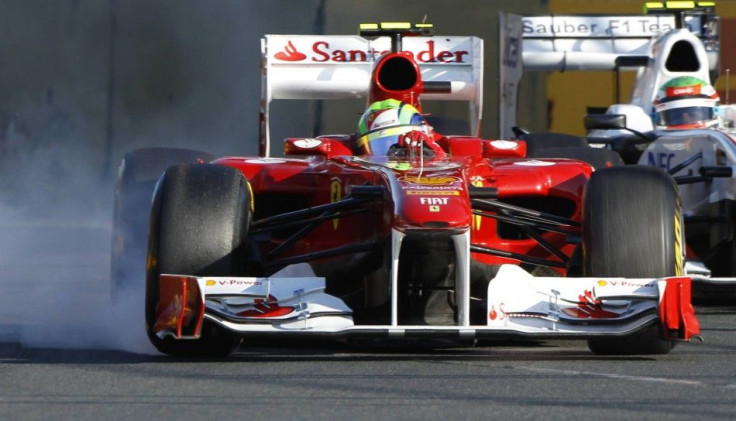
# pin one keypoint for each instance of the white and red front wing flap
(518, 304)
(286, 302)
(519, 301)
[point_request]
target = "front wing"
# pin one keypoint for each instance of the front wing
(519, 304)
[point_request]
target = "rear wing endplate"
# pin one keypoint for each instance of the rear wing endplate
(312, 67)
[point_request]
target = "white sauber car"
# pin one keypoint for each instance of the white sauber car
(661, 46)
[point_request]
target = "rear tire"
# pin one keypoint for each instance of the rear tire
(199, 225)
(134, 186)
(632, 227)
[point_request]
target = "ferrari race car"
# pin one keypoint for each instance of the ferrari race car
(345, 238)
(669, 44)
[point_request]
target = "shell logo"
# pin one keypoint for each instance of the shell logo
(602, 283)
(210, 283)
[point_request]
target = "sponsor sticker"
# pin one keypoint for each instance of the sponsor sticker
(433, 200)
(434, 181)
(311, 49)
(625, 283)
(240, 282)
(596, 26)
(433, 193)
(290, 53)
(423, 187)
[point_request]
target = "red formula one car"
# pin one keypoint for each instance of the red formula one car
(398, 232)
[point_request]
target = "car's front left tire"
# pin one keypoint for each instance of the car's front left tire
(199, 226)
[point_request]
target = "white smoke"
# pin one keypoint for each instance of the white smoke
(55, 242)
(60, 124)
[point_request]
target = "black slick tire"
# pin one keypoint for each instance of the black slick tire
(136, 179)
(199, 226)
(632, 227)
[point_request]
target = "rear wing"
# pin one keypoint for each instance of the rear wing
(589, 42)
(595, 42)
(339, 67)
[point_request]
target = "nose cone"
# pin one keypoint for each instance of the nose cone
(433, 201)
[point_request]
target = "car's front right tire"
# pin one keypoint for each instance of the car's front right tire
(632, 227)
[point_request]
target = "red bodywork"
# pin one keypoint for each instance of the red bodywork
(431, 197)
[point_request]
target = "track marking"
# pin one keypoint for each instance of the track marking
(616, 376)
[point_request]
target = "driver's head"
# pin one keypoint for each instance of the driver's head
(384, 123)
(686, 102)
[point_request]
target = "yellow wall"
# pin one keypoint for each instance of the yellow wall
(726, 10)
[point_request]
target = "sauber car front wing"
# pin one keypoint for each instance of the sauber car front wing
(519, 304)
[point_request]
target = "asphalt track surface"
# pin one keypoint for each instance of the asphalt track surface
(66, 352)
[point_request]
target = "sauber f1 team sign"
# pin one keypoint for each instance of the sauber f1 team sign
(595, 26)
(341, 49)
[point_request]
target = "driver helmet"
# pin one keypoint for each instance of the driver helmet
(686, 102)
(384, 124)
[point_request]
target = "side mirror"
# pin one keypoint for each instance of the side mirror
(328, 146)
(605, 121)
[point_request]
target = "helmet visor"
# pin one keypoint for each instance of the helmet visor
(380, 141)
(686, 115)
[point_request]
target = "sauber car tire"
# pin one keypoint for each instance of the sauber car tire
(199, 226)
(632, 227)
(136, 178)
(596, 157)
